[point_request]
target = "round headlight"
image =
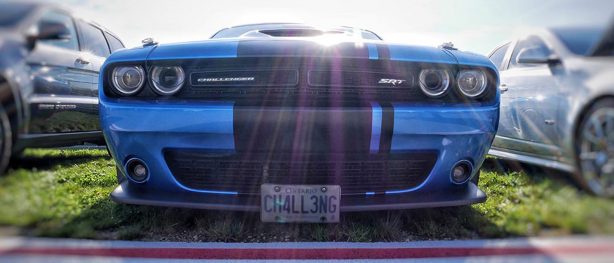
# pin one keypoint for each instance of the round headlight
(472, 83)
(434, 82)
(167, 80)
(128, 80)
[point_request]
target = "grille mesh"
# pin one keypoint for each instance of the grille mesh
(356, 174)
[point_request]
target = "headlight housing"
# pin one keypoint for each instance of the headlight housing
(128, 80)
(167, 80)
(472, 83)
(434, 82)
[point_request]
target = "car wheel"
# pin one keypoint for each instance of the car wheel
(6, 140)
(595, 149)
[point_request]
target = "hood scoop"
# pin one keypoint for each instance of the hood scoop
(293, 32)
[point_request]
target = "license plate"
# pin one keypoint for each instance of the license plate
(299, 203)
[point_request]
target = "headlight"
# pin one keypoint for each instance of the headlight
(167, 80)
(434, 82)
(472, 83)
(128, 80)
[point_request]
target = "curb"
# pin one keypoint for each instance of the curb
(576, 246)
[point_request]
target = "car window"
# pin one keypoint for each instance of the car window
(532, 42)
(92, 40)
(114, 43)
(498, 55)
(61, 18)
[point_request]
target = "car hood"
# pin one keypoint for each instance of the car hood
(302, 47)
(590, 65)
(11, 36)
(595, 72)
(12, 48)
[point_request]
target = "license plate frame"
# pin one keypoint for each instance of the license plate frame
(281, 203)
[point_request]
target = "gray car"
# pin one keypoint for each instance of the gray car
(557, 103)
(49, 65)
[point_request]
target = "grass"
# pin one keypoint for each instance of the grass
(65, 193)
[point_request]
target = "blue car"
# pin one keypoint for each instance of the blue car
(298, 122)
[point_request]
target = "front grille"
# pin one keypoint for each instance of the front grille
(305, 80)
(247, 78)
(356, 174)
(294, 80)
(358, 79)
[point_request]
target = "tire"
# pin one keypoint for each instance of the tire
(6, 140)
(594, 152)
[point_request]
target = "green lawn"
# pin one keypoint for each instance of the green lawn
(65, 193)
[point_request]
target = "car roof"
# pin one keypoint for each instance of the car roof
(22, 4)
(39, 7)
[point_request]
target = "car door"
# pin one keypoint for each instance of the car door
(529, 103)
(500, 57)
(61, 75)
(95, 48)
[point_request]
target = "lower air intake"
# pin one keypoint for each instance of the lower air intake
(356, 174)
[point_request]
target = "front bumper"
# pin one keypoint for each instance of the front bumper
(470, 194)
(147, 129)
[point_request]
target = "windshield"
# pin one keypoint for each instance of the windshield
(289, 30)
(12, 14)
(579, 40)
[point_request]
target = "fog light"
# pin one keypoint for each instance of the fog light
(137, 170)
(461, 172)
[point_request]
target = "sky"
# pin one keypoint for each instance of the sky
(472, 25)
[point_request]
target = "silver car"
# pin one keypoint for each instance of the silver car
(557, 103)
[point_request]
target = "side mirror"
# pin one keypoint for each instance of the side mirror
(47, 30)
(535, 56)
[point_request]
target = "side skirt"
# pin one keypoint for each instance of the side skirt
(510, 155)
(57, 139)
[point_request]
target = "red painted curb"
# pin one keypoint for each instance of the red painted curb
(311, 253)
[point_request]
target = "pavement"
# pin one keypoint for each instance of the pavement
(568, 249)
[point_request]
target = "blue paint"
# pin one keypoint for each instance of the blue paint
(373, 53)
(376, 127)
(201, 49)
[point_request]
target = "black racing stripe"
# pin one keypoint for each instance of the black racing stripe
(387, 127)
(383, 51)
(262, 48)
(261, 129)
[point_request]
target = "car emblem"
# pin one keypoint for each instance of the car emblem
(394, 82)
(235, 79)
